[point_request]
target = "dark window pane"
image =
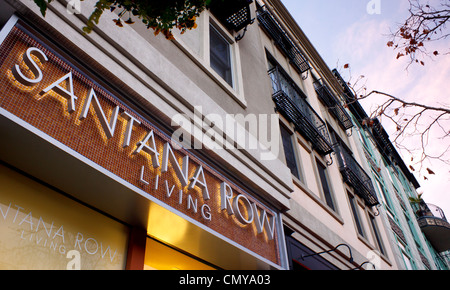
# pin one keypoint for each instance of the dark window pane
(220, 58)
(356, 215)
(325, 186)
(289, 153)
(377, 235)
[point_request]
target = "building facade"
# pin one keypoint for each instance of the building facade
(421, 245)
(225, 148)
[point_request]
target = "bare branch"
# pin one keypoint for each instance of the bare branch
(426, 24)
(417, 125)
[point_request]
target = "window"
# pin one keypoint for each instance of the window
(214, 49)
(220, 55)
(159, 256)
(40, 225)
(363, 139)
(325, 184)
(289, 152)
(356, 217)
(383, 192)
(412, 229)
(408, 263)
(376, 232)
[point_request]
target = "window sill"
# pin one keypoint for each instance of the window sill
(318, 200)
(232, 92)
(374, 249)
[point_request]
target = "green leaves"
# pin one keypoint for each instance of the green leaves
(161, 16)
(416, 200)
(42, 5)
(94, 18)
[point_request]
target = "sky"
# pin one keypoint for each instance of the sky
(347, 32)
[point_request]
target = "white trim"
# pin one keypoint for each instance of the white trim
(284, 258)
(202, 59)
(8, 27)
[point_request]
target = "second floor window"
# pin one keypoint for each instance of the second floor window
(326, 189)
(220, 55)
(289, 152)
(356, 216)
(377, 236)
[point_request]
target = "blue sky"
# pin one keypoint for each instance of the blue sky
(326, 21)
(344, 32)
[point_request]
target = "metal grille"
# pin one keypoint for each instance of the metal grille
(240, 19)
(355, 176)
(282, 40)
(290, 102)
(335, 107)
(382, 140)
(234, 14)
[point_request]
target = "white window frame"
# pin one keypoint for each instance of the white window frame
(407, 260)
(319, 159)
(202, 57)
(359, 208)
(294, 144)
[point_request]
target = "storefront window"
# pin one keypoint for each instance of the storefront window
(44, 230)
(159, 256)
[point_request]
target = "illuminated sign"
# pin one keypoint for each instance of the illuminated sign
(50, 93)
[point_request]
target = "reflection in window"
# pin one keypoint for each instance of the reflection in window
(376, 232)
(356, 217)
(291, 160)
(325, 185)
(220, 55)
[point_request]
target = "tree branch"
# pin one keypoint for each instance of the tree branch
(425, 24)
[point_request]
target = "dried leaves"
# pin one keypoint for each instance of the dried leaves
(424, 25)
(429, 171)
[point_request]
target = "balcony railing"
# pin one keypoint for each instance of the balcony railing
(290, 102)
(436, 211)
(435, 226)
(334, 106)
(282, 40)
(355, 176)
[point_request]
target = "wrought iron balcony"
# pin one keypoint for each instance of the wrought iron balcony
(350, 99)
(290, 102)
(234, 14)
(282, 40)
(355, 176)
(333, 104)
(435, 226)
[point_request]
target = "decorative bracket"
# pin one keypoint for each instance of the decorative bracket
(366, 262)
(330, 162)
(240, 36)
(332, 250)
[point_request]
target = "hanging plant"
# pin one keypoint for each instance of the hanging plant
(161, 16)
(419, 204)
